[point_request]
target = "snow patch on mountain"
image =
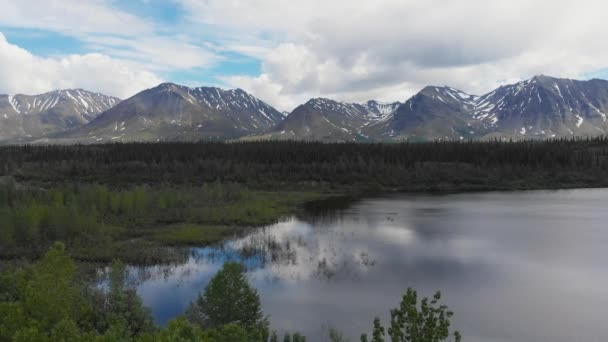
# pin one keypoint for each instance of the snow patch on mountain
(14, 104)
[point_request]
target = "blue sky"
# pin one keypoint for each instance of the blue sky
(154, 40)
(286, 52)
(169, 16)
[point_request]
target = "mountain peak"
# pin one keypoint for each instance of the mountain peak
(541, 77)
(62, 92)
(175, 112)
(432, 88)
(167, 85)
(447, 94)
(320, 100)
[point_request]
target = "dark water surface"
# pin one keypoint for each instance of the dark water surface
(517, 266)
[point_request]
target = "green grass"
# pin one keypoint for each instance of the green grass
(140, 225)
(192, 235)
(135, 252)
(259, 208)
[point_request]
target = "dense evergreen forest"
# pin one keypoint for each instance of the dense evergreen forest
(405, 166)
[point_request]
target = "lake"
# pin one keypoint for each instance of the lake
(514, 266)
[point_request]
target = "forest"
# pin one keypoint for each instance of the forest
(437, 166)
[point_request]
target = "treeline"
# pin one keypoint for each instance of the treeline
(408, 166)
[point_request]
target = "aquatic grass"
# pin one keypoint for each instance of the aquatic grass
(192, 235)
(99, 223)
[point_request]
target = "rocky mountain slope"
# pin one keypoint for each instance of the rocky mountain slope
(328, 120)
(26, 116)
(546, 107)
(171, 112)
(542, 107)
(433, 113)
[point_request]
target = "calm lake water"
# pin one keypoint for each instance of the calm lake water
(517, 266)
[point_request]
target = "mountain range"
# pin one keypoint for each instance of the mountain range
(539, 108)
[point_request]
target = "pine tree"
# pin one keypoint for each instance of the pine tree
(229, 299)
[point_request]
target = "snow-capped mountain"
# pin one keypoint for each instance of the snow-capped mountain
(542, 107)
(433, 113)
(329, 120)
(546, 107)
(174, 112)
(24, 116)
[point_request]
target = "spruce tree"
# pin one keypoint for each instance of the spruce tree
(229, 299)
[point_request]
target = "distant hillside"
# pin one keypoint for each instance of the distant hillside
(328, 120)
(27, 116)
(542, 107)
(171, 112)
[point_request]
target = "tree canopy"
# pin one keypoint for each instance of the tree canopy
(428, 321)
(229, 299)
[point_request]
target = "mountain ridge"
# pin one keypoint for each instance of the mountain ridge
(329, 120)
(24, 116)
(170, 112)
(541, 107)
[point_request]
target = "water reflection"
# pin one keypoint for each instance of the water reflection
(523, 266)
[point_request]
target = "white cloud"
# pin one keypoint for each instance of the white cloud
(74, 17)
(158, 53)
(23, 72)
(359, 49)
(110, 31)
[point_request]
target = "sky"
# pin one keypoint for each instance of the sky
(288, 51)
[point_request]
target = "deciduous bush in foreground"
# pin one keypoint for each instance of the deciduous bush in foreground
(429, 322)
